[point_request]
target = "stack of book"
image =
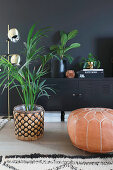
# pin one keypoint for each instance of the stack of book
(91, 73)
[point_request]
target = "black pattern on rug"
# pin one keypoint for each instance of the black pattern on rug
(0, 158)
(3, 122)
(58, 162)
(38, 155)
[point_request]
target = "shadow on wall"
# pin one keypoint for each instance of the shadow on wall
(56, 38)
(104, 51)
(14, 99)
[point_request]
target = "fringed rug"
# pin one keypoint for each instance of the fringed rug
(57, 162)
(3, 122)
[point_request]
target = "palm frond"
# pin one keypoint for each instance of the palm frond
(26, 81)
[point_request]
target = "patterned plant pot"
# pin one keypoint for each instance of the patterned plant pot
(29, 125)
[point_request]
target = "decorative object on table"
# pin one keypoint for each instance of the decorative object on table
(91, 73)
(70, 74)
(61, 53)
(30, 85)
(92, 162)
(3, 122)
(13, 36)
(91, 129)
(91, 62)
(90, 65)
(58, 68)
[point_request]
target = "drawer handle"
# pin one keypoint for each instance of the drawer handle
(80, 94)
(77, 94)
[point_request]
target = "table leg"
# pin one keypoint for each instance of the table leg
(62, 115)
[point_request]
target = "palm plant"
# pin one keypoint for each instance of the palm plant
(25, 79)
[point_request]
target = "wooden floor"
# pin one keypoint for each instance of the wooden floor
(54, 141)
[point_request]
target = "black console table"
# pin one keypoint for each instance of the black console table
(70, 94)
(78, 93)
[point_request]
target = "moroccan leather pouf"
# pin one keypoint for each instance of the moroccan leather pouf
(91, 129)
(29, 125)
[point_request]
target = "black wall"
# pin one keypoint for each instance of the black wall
(93, 19)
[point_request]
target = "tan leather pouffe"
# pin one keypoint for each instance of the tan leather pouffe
(91, 129)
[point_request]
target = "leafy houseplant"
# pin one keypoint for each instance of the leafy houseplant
(61, 50)
(27, 82)
(90, 62)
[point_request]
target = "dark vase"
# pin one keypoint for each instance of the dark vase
(58, 68)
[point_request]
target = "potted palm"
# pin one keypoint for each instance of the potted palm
(28, 117)
(61, 52)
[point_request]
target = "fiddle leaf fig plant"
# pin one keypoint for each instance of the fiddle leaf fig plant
(61, 50)
(25, 78)
(91, 58)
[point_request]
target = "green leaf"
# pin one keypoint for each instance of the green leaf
(74, 45)
(72, 34)
(61, 33)
(57, 57)
(53, 47)
(95, 64)
(70, 58)
(90, 55)
(60, 52)
(40, 33)
(85, 65)
(64, 39)
(30, 34)
(98, 64)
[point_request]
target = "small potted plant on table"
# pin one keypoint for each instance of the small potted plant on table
(91, 62)
(28, 117)
(61, 52)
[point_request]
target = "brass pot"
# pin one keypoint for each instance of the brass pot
(29, 125)
(90, 65)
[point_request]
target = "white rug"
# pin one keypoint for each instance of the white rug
(3, 122)
(56, 162)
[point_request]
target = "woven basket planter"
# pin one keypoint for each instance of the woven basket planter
(29, 125)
